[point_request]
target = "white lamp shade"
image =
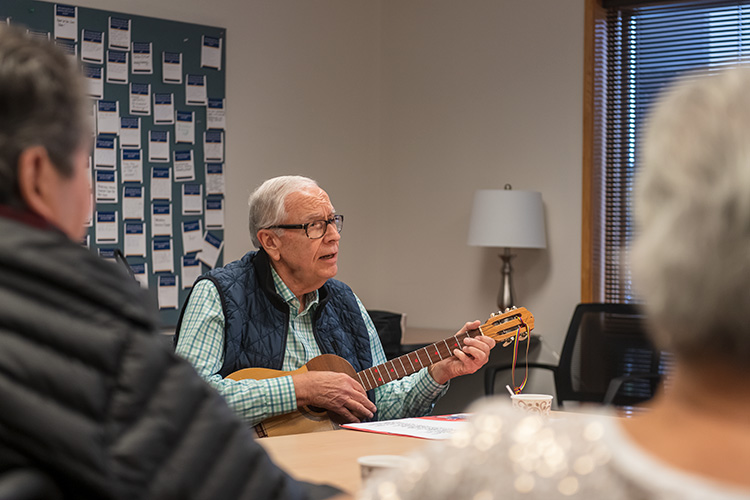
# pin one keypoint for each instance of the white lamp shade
(507, 218)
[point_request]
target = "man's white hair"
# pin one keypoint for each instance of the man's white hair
(691, 258)
(267, 203)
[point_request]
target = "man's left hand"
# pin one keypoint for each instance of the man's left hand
(470, 358)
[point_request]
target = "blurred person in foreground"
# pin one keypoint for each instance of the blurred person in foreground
(691, 262)
(90, 397)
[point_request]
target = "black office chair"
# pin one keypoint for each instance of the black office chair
(390, 326)
(606, 358)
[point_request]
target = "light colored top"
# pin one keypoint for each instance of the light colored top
(504, 454)
(201, 341)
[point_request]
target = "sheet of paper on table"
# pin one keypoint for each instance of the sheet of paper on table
(433, 427)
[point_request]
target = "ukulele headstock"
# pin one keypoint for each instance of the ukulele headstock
(504, 326)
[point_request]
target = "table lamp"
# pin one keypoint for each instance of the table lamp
(509, 219)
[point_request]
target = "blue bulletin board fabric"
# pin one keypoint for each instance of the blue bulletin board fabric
(159, 137)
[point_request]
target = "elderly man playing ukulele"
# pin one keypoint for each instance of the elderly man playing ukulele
(279, 309)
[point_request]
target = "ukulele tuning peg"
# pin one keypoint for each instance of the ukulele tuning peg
(507, 309)
(492, 315)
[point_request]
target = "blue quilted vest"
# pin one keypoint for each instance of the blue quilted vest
(257, 318)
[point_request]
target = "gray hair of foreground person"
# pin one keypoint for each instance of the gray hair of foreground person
(691, 260)
(267, 206)
(42, 102)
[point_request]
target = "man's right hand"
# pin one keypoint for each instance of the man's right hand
(336, 392)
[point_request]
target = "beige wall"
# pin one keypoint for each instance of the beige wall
(401, 109)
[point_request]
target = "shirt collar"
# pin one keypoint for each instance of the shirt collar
(312, 298)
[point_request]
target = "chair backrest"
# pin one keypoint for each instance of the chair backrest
(390, 327)
(606, 342)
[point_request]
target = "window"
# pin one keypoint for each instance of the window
(633, 50)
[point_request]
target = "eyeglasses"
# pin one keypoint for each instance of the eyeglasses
(315, 229)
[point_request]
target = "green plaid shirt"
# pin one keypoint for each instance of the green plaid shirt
(201, 341)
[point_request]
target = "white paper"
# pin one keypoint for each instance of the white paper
(92, 46)
(117, 67)
(161, 183)
(216, 115)
(437, 427)
(211, 52)
(106, 227)
(184, 127)
(135, 239)
(215, 178)
(131, 165)
(184, 167)
(192, 236)
(140, 99)
(168, 288)
(163, 109)
(191, 270)
(142, 62)
(105, 152)
(107, 117)
(140, 272)
(95, 79)
(214, 212)
(119, 33)
(158, 146)
(171, 67)
(196, 93)
(132, 202)
(130, 132)
(162, 255)
(213, 145)
(161, 219)
(66, 22)
(106, 186)
(212, 247)
(192, 199)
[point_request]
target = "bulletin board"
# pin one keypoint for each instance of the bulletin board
(157, 161)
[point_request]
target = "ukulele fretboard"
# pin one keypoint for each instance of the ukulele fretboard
(413, 362)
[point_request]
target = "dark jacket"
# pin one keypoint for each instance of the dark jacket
(93, 398)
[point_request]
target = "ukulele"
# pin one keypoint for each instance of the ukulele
(502, 327)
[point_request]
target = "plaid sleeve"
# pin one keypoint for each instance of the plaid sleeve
(412, 396)
(201, 341)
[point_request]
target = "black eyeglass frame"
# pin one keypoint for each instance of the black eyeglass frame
(337, 221)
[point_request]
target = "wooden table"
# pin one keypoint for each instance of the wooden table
(331, 456)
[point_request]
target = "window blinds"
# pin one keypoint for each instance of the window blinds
(647, 46)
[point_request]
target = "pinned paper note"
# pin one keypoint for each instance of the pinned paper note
(106, 186)
(94, 76)
(66, 22)
(192, 236)
(135, 239)
(212, 247)
(105, 152)
(171, 67)
(119, 33)
(131, 165)
(92, 46)
(130, 132)
(106, 227)
(162, 255)
(196, 93)
(161, 219)
(184, 167)
(158, 146)
(192, 199)
(211, 52)
(107, 117)
(142, 62)
(184, 127)
(161, 183)
(167, 293)
(117, 67)
(132, 202)
(140, 99)
(191, 270)
(163, 109)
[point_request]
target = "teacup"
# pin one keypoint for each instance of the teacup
(533, 403)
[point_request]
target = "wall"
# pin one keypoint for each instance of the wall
(401, 109)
